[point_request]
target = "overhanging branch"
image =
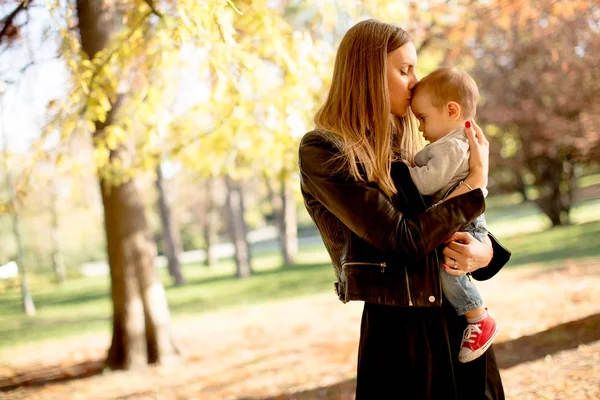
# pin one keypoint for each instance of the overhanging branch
(8, 20)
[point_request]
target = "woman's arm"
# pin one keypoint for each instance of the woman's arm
(365, 210)
(483, 260)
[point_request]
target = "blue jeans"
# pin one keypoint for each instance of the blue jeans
(459, 290)
(477, 228)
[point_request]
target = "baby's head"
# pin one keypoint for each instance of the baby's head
(443, 101)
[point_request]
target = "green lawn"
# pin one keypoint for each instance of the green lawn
(83, 305)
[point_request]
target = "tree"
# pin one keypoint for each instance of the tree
(238, 230)
(210, 225)
(141, 320)
(124, 59)
(281, 196)
(169, 231)
(538, 76)
(58, 262)
(26, 298)
(119, 55)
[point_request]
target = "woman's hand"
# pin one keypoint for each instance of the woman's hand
(465, 254)
(480, 155)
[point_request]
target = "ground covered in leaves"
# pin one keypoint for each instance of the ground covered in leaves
(548, 348)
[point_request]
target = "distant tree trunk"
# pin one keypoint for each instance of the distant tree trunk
(237, 228)
(288, 223)
(555, 191)
(520, 185)
(58, 262)
(243, 224)
(26, 299)
(210, 222)
(169, 232)
(284, 213)
(276, 200)
(141, 319)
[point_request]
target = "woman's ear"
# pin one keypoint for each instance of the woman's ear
(454, 110)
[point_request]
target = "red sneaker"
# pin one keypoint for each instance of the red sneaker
(477, 338)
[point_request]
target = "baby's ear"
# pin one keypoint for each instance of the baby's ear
(454, 110)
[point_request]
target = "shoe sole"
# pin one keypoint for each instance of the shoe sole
(472, 356)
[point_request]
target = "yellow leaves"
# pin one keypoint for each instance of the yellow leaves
(114, 136)
(264, 78)
(91, 126)
(225, 21)
(101, 155)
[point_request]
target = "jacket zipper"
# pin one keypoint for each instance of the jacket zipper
(437, 262)
(410, 302)
(381, 265)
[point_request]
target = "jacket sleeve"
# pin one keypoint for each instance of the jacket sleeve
(501, 257)
(370, 214)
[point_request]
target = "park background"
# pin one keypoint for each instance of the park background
(163, 135)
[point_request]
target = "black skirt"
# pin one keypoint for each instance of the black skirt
(412, 353)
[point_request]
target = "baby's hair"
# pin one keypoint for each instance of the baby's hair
(450, 84)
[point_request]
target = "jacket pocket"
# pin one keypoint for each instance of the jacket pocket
(374, 282)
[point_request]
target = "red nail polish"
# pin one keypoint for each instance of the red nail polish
(444, 266)
(467, 124)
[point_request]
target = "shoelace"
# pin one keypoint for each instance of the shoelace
(471, 331)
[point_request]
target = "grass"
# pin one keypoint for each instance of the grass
(568, 242)
(83, 305)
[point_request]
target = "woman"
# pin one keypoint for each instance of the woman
(381, 239)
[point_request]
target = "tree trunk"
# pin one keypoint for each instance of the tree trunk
(237, 229)
(58, 262)
(169, 232)
(141, 319)
(284, 215)
(555, 195)
(520, 184)
(27, 300)
(210, 223)
(288, 224)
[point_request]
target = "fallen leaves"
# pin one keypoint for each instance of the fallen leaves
(549, 347)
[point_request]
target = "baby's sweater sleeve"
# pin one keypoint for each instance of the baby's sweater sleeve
(443, 162)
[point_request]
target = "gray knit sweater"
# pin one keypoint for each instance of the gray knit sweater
(442, 164)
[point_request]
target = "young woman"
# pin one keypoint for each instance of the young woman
(382, 241)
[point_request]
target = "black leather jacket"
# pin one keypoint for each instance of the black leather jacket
(384, 250)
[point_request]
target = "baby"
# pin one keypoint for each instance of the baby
(443, 102)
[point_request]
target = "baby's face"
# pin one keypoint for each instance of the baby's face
(434, 122)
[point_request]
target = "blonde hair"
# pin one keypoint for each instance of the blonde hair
(358, 109)
(450, 84)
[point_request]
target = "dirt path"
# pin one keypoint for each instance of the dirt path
(549, 348)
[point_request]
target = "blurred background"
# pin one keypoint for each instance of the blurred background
(161, 138)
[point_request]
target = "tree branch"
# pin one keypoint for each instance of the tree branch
(10, 17)
(154, 10)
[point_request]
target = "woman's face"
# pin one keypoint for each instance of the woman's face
(401, 77)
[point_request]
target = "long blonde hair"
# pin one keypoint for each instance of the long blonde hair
(358, 107)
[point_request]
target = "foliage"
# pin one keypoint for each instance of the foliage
(537, 69)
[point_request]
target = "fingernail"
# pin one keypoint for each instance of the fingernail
(444, 266)
(467, 124)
